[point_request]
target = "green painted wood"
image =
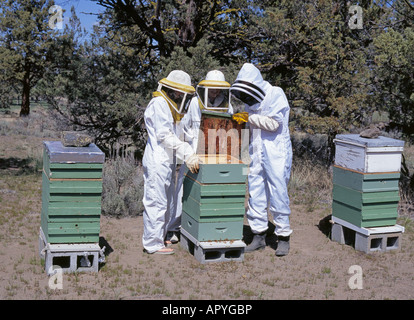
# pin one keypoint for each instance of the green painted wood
(369, 216)
(73, 238)
(68, 197)
(211, 231)
(360, 199)
(75, 231)
(74, 227)
(220, 173)
(75, 174)
(222, 212)
(71, 170)
(73, 219)
(71, 201)
(72, 210)
(197, 189)
(75, 186)
(71, 186)
(368, 182)
(76, 166)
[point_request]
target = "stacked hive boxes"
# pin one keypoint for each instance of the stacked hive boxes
(71, 193)
(365, 180)
(213, 199)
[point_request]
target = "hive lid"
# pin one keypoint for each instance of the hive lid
(377, 142)
(60, 154)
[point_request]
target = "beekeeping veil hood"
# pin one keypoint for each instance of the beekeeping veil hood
(178, 92)
(213, 92)
(249, 86)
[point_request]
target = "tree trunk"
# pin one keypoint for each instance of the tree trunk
(25, 107)
(187, 31)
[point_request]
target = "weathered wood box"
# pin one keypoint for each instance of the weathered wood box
(213, 199)
(71, 193)
(368, 155)
(220, 134)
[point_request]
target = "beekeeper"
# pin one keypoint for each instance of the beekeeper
(267, 115)
(165, 110)
(212, 94)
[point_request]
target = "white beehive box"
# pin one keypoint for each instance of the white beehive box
(381, 154)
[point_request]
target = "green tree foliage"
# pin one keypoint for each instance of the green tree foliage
(27, 44)
(164, 25)
(110, 80)
(334, 76)
(394, 67)
(309, 50)
(98, 90)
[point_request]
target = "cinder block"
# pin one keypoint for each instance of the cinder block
(212, 251)
(83, 257)
(367, 240)
(378, 242)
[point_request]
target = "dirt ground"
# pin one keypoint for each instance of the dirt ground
(316, 267)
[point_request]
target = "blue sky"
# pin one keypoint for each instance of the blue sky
(82, 7)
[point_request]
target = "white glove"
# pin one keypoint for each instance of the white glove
(263, 122)
(183, 149)
(192, 163)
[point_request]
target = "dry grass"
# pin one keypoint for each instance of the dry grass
(310, 185)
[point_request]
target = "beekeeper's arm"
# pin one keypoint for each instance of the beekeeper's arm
(264, 122)
(182, 149)
(168, 139)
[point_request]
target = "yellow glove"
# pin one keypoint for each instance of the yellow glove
(241, 117)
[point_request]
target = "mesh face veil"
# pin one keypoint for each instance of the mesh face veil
(179, 99)
(177, 90)
(247, 92)
(214, 95)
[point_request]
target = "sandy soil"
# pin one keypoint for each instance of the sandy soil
(316, 268)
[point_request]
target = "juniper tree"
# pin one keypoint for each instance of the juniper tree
(28, 44)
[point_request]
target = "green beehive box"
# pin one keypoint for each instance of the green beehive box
(206, 192)
(365, 199)
(220, 169)
(214, 230)
(365, 209)
(213, 211)
(366, 182)
(214, 198)
(368, 217)
(71, 193)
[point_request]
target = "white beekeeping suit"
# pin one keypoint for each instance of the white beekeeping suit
(213, 94)
(271, 154)
(163, 148)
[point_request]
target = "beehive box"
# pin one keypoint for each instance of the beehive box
(212, 230)
(71, 193)
(220, 134)
(366, 182)
(365, 199)
(368, 155)
(365, 209)
(213, 199)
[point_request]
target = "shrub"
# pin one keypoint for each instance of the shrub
(123, 187)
